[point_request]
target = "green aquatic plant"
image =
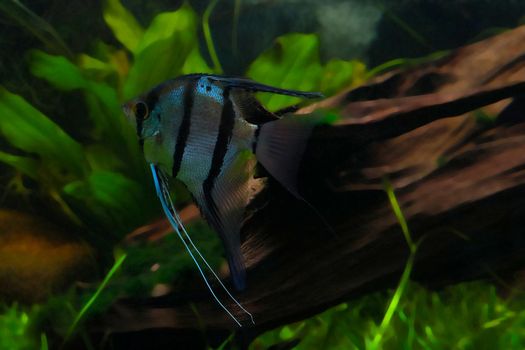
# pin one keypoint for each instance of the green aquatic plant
(78, 318)
(466, 316)
(293, 63)
(16, 331)
(101, 182)
(207, 36)
(393, 305)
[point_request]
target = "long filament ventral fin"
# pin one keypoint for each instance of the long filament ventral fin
(161, 186)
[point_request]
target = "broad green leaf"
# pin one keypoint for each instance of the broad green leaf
(104, 61)
(57, 70)
(100, 158)
(109, 198)
(31, 131)
(90, 63)
(292, 63)
(125, 27)
(339, 74)
(163, 51)
(195, 63)
(101, 99)
(113, 132)
(25, 165)
(103, 107)
(166, 24)
(65, 75)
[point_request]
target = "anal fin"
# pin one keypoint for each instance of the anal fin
(224, 207)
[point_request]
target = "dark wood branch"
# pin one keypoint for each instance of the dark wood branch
(459, 176)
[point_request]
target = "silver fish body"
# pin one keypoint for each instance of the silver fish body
(209, 132)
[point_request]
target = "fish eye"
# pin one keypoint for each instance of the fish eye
(141, 110)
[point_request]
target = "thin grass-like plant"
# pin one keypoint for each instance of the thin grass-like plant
(208, 38)
(43, 342)
(405, 277)
(116, 266)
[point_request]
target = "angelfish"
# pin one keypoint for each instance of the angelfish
(209, 131)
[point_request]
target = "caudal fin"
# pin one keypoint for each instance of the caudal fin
(280, 147)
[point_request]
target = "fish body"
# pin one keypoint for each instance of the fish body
(209, 131)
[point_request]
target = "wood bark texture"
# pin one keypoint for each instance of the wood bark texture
(449, 134)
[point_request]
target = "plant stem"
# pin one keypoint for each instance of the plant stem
(207, 36)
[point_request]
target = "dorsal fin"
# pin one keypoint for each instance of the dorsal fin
(252, 86)
(251, 109)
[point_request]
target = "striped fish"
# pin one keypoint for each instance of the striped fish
(210, 131)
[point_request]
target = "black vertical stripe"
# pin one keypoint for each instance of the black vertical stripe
(151, 101)
(139, 132)
(256, 139)
(184, 129)
(219, 152)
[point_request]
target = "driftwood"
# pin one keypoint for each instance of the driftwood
(459, 176)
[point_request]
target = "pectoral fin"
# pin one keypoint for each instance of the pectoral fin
(224, 203)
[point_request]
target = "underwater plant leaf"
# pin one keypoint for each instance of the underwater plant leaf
(292, 63)
(113, 132)
(163, 50)
(57, 70)
(166, 24)
(168, 252)
(43, 341)
(15, 329)
(109, 199)
(25, 165)
(469, 314)
(208, 37)
(338, 74)
(102, 101)
(85, 309)
(195, 63)
(105, 64)
(65, 75)
(124, 26)
(100, 158)
(405, 63)
(108, 65)
(31, 131)
(89, 63)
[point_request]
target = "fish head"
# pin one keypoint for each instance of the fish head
(144, 118)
